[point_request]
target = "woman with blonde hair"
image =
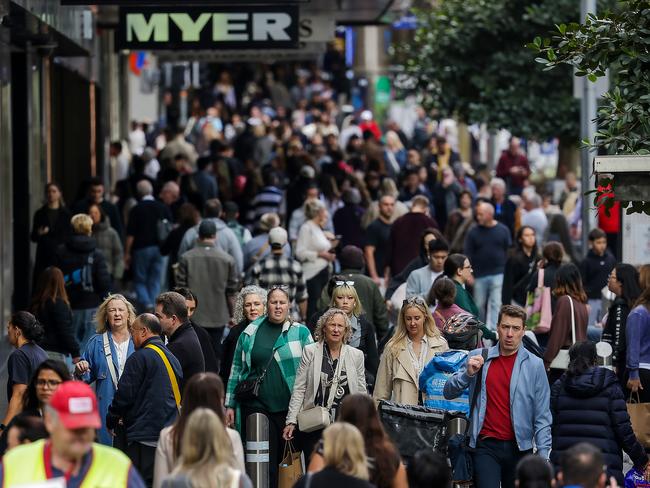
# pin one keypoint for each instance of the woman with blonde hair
(106, 353)
(329, 370)
(363, 336)
(415, 342)
(206, 459)
(345, 458)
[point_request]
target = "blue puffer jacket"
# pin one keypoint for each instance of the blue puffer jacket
(591, 408)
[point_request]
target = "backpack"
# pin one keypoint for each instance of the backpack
(81, 279)
(461, 331)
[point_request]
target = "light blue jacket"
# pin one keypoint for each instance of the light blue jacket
(529, 399)
(419, 281)
(94, 354)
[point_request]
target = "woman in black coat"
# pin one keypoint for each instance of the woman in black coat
(588, 405)
(50, 228)
(520, 266)
(623, 282)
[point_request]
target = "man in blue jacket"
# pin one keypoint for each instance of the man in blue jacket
(148, 396)
(512, 412)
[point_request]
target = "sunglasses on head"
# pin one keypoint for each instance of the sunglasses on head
(416, 299)
(279, 287)
(344, 283)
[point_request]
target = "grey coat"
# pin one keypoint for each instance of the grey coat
(211, 274)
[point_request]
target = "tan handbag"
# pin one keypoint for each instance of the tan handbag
(640, 419)
(317, 418)
(561, 361)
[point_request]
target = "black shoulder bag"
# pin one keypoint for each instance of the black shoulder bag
(249, 389)
(459, 451)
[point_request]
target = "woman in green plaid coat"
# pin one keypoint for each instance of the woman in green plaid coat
(270, 348)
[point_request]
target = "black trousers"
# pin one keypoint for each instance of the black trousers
(276, 443)
(143, 459)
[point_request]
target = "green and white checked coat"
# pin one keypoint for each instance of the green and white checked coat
(287, 353)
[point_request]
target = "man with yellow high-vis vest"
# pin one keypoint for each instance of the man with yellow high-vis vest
(148, 394)
(69, 458)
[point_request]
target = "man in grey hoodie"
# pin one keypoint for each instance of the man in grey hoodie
(226, 238)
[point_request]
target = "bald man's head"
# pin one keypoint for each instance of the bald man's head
(484, 213)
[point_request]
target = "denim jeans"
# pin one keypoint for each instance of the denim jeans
(83, 325)
(487, 295)
(595, 312)
(495, 463)
(147, 266)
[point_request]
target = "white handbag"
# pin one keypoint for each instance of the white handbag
(561, 361)
(317, 418)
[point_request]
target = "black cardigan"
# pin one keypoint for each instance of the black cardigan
(591, 408)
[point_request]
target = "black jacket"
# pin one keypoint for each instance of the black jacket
(549, 280)
(591, 408)
(56, 319)
(516, 277)
(595, 271)
(47, 244)
(209, 356)
(505, 213)
(144, 398)
(228, 349)
(185, 345)
(329, 476)
(73, 255)
(614, 331)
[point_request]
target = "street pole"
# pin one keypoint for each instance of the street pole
(588, 129)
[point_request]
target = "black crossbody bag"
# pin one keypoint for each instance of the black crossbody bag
(249, 389)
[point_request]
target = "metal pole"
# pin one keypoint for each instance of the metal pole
(257, 449)
(588, 129)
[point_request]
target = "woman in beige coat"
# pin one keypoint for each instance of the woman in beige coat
(415, 342)
(316, 374)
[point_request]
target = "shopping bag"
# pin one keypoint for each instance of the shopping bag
(291, 468)
(640, 418)
(538, 307)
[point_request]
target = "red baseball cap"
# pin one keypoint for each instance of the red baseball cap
(76, 404)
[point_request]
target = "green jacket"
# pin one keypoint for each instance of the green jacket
(465, 301)
(372, 302)
(288, 351)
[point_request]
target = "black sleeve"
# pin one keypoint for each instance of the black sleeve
(101, 278)
(372, 356)
(62, 317)
(35, 225)
(508, 278)
(116, 220)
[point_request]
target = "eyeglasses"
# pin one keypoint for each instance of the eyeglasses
(344, 283)
(48, 383)
(415, 299)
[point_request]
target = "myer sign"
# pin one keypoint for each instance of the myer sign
(208, 28)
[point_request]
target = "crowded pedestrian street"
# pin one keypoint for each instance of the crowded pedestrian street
(305, 243)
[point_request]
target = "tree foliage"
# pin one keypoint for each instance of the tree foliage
(618, 40)
(468, 58)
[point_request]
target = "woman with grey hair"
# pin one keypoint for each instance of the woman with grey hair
(249, 305)
(329, 370)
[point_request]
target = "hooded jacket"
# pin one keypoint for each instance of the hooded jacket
(591, 408)
(73, 255)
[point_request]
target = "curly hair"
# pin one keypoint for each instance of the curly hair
(319, 333)
(239, 316)
(101, 317)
